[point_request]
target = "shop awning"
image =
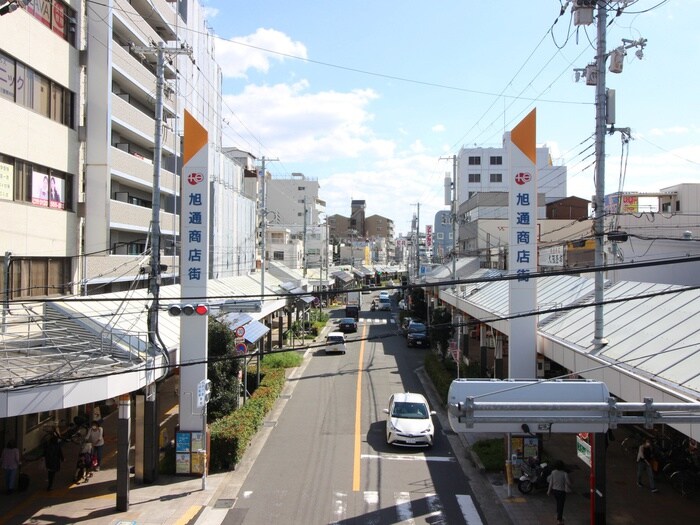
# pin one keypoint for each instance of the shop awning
(254, 330)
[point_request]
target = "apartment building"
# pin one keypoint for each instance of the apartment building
(294, 204)
(380, 233)
(122, 40)
(40, 146)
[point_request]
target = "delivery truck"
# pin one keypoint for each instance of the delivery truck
(353, 305)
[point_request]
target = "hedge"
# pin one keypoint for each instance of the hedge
(231, 435)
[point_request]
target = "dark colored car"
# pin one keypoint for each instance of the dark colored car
(347, 324)
(417, 335)
(403, 330)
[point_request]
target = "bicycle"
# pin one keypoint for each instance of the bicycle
(686, 482)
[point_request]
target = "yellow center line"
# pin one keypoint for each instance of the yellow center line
(358, 415)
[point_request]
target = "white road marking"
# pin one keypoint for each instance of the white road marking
(403, 507)
(435, 510)
(471, 515)
(339, 505)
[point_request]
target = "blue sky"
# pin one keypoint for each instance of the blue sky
(367, 96)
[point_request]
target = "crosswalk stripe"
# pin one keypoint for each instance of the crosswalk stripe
(403, 507)
(340, 506)
(371, 508)
(434, 509)
(471, 515)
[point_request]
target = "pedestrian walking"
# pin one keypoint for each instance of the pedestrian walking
(95, 436)
(53, 457)
(645, 454)
(10, 464)
(559, 486)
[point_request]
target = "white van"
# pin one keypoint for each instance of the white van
(335, 343)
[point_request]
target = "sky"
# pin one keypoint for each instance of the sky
(372, 98)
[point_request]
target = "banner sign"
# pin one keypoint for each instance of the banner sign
(521, 152)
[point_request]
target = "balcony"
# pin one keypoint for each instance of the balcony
(136, 126)
(142, 170)
(131, 27)
(132, 75)
(163, 18)
(127, 217)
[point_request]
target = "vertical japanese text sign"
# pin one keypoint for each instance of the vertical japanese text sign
(521, 150)
(194, 266)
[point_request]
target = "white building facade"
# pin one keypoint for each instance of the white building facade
(41, 150)
(484, 170)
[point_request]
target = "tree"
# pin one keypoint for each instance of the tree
(418, 304)
(222, 370)
(441, 329)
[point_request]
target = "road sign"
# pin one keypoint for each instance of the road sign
(240, 331)
(241, 348)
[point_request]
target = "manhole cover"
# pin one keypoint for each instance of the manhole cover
(224, 503)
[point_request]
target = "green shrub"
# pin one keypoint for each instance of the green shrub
(231, 435)
(491, 453)
(282, 360)
(439, 375)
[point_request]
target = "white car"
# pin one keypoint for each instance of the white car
(410, 421)
(335, 343)
(383, 295)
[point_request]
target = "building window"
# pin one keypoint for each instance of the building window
(25, 182)
(26, 87)
(497, 177)
(475, 161)
(471, 194)
(39, 276)
(496, 161)
(301, 188)
(278, 256)
(440, 236)
(475, 177)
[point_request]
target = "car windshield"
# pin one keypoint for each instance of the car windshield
(416, 327)
(347, 320)
(405, 410)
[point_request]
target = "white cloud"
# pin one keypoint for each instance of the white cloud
(438, 128)
(255, 51)
(674, 130)
(298, 125)
(392, 186)
(210, 12)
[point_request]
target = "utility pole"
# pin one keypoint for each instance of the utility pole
(595, 75)
(150, 414)
(453, 214)
(418, 241)
(262, 199)
(598, 204)
(303, 258)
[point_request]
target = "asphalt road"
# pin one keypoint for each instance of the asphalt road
(327, 461)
